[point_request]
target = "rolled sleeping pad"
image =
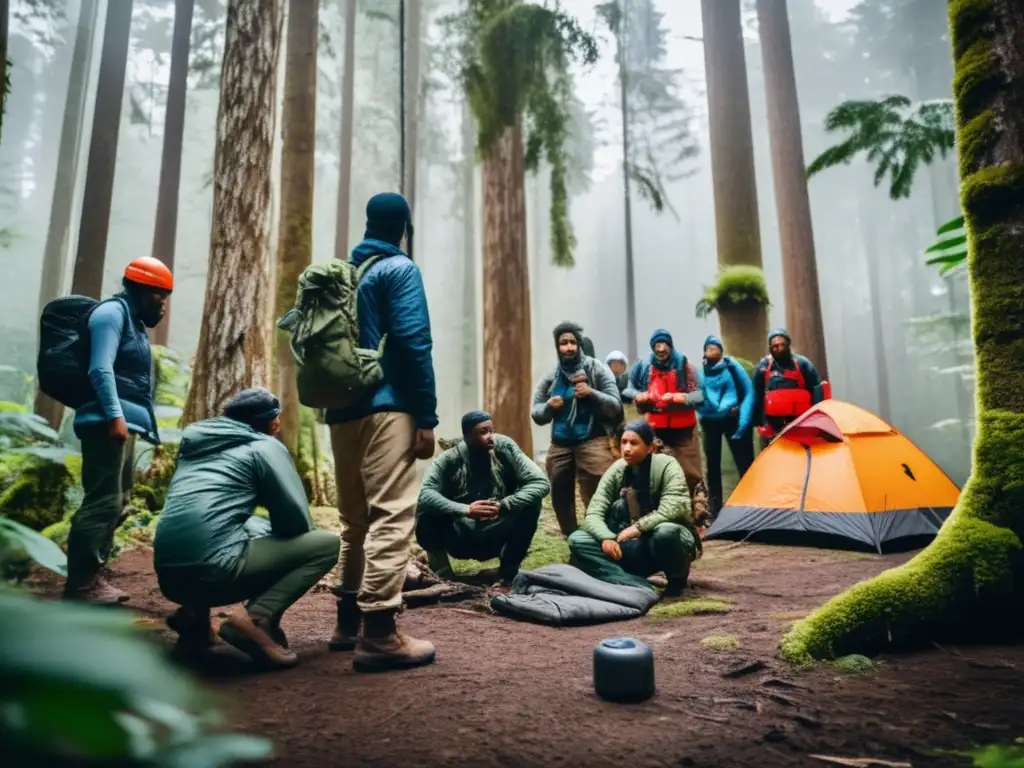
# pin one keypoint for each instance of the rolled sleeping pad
(623, 670)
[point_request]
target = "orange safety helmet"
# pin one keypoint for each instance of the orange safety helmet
(146, 270)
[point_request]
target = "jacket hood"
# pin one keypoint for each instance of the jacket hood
(370, 247)
(215, 435)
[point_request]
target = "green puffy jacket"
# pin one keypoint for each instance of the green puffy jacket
(225, 470)
(668, 491)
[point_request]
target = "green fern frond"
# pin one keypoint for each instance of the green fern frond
(893, 135)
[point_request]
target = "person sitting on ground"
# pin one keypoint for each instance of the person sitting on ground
(618, 364)
(580, 400)
(725, 413)
(638, 522)
(210, 550)
(669, 389)
(785, 386)
(480, 499)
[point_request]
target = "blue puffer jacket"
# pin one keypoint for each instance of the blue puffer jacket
(392, 301)
(727, 386)
(120, 368)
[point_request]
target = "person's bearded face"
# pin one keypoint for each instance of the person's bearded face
(662, 350)
(568, 347)
(780, 349)
(151, 305)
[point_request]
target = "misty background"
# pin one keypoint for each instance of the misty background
(897, 333)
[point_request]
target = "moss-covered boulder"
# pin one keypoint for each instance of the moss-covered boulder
(34, 490)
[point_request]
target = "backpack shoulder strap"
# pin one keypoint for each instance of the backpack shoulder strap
(363, 268)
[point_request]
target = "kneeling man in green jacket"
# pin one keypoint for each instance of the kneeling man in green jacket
(638, 522)
(211, 550)
(480, 499)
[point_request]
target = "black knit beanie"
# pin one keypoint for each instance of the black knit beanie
(642, 429)
(388, 218)
(256, 407)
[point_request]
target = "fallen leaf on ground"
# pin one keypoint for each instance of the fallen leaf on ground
(860, 762)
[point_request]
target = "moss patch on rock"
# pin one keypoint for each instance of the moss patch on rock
(694, 606)
(854, 663)
(720, 643)
(34, 491)
(735, 286)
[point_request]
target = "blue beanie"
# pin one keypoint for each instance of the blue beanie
(256, 407)
(472, 419)
(779, 332)
(661, 335)
(714, 341)
(388, 217)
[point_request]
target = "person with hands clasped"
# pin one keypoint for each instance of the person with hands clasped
(581, 401)
(479, 500)
(639, 521)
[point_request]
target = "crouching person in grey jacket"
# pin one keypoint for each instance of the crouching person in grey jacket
(210, 549)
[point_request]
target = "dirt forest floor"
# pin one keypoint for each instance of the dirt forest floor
(504, 693)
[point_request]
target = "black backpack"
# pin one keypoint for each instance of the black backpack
(62, 367)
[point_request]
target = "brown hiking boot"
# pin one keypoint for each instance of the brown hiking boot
(244, 634)
(382, 647)
(350, 619)
(98, 592)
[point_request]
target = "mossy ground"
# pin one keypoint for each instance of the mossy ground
(720, 643)
(694, 606)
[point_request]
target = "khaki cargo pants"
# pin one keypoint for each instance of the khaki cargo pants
(585, 464)
(377, 491)
(685, 449)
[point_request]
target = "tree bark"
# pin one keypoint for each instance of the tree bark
(234, 342)
(55, 251)
(799, 265)
(90, 259)
(967, 581)
(506, 290)
(348, 110)
(470, 363)
(166, 231)
(414, 31)
(4, 16)
(737, 226)
(295, 236)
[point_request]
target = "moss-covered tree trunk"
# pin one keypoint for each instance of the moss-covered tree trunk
(737, 225)
(968, 582)
(796, 232)
(56, 250)
(165, 233)
(295, 233)
(234, 341)
(506, 289)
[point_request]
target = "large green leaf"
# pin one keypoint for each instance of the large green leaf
(15, 536)
(951, 249)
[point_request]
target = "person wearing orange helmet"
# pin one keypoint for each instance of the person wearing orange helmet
(121, 408)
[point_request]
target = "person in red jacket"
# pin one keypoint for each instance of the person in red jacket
(668, 390)
(785, 385)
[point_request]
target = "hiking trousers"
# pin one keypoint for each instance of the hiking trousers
(669, 547)
(107, 479)
(742, 451)
(272, 575)
(585, 464)
(377, 491)
(507, 537)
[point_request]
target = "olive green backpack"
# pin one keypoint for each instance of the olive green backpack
(333, 371)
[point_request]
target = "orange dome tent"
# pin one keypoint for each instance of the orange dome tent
(839, 471)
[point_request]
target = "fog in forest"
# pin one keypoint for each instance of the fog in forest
(896, 331)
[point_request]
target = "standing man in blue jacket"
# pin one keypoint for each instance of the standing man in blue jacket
(120, 368)
(727, 412)
(376, 445)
